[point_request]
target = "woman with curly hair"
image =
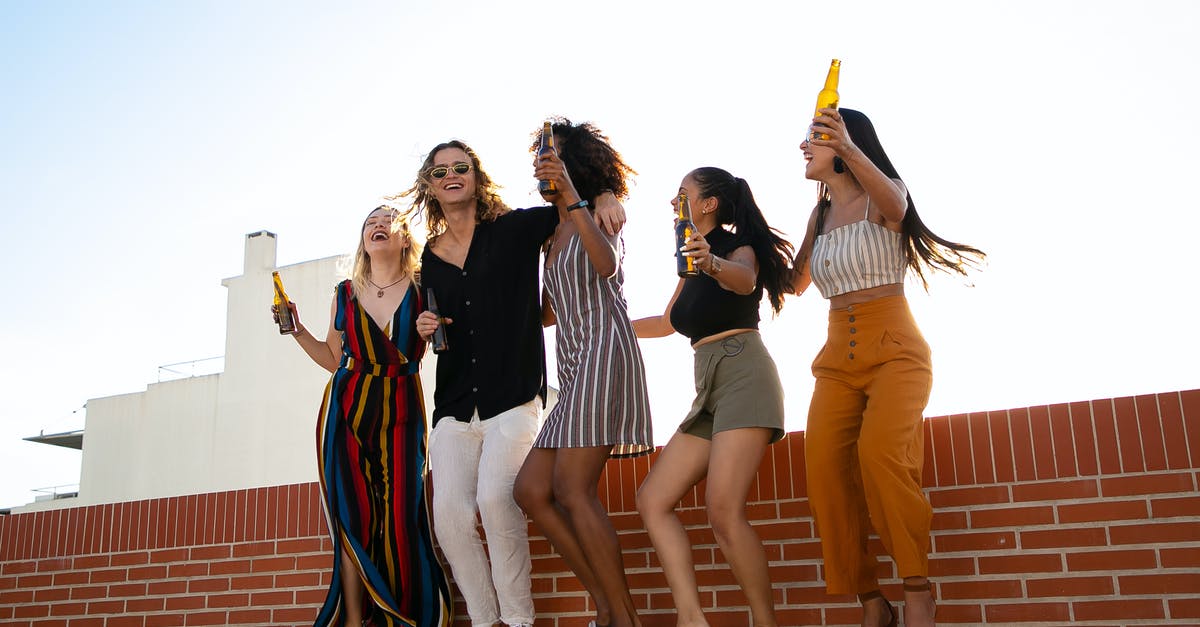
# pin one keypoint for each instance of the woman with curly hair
(863, 445)
(738, 410)
(603, 410)
(481, 262)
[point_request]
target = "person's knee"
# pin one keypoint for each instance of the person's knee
(724, 516)
(453, 515)
(529, 494)
(571, 496)
(650, 504)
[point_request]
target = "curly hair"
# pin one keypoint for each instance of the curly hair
(488, 205)
(593, 164)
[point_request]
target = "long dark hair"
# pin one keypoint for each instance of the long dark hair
(922, 247)
(736, 206)
(593, 164)
(488, 205)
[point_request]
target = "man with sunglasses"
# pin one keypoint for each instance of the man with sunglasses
(482, 261)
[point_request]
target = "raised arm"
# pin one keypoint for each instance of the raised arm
(600, 248)
(887, 195)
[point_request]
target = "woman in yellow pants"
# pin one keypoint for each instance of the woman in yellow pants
(864, 439)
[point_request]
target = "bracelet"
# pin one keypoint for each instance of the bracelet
(583, 204)
(714, 266)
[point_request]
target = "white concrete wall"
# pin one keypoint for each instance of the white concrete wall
(249, 426)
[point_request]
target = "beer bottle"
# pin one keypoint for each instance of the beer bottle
(438, 342)
(547, 188)
(684, 228)
(828, 96)
(286, 323)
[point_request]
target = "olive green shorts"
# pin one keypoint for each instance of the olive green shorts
(737, 386)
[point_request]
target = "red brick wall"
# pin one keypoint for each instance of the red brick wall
(1084, 512)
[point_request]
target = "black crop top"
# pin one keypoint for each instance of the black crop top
(705, 308)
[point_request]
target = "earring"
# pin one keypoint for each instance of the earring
(839, 165)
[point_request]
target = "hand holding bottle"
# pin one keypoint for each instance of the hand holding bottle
(549, 167)
(829, 130)
(296, 328)
(427, 324)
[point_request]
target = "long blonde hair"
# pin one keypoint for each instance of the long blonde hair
(488, 205)
(360, 270)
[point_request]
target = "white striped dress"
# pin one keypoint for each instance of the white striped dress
(602, 382)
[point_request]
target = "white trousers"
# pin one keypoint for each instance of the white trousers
(474, 465)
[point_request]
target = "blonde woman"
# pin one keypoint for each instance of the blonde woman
(371, 440)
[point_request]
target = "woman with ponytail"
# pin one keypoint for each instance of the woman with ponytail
(863, 443)
(738, 410)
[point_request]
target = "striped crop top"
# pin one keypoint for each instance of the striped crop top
(857, 256)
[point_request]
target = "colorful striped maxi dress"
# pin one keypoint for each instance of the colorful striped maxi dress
(371, 436)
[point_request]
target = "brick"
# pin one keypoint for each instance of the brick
(1082, 435)
(1159, 584)
(1103, 512)
(942, 449)
(1188, 506)
(1023, 444)
(1184, 608)
(1107, 447)
(1068, 586)
(164, 620)
(981, 448)
(304, 545)
(1161, 483)
(208, 553)
(975, 542)
(1129, 435)
(1154, 450)
(1123, 609)
(960, 439)
(1021, 563)
(980, 589)
(206, 618)
(105, 607)
(131, 559)
(1190, 403)
(1064, 444)
(1174, 433)
(961, 497)
(1002, 446)
(1155, 533)
(1027, 612)
(228, 600)
(1012, 517)
(1063, 538)
(1181, 557)
(200, 586)
(1043, 442)
(146, 572)
(273, 564)
(1131, 559)
(1056, 490)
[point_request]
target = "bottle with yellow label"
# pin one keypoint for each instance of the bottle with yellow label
(286, 323)
(828, 96)
(547, 188)
(684, 228)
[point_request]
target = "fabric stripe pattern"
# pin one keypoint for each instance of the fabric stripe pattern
(857, 256)
(602, 397)
(371, 439)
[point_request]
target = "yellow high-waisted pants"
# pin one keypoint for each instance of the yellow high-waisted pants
(864, 443)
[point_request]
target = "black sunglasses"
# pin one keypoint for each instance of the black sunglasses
(441, 171)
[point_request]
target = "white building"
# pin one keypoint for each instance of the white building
(251, 425)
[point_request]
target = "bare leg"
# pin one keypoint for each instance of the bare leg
(733, 464)
(576, 472)
(352, 590)
(534, 493)
(682, 463)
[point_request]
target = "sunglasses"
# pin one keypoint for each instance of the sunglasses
(441, 171)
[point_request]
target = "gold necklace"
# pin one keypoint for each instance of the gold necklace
(380, 292)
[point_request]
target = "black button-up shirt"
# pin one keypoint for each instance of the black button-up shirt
(497, 354)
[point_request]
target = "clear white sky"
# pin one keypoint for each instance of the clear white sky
(139, 142)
